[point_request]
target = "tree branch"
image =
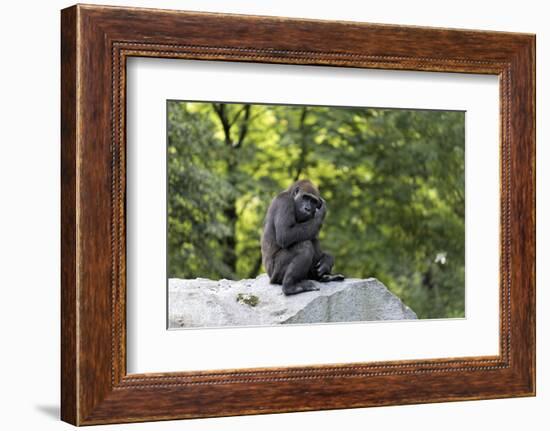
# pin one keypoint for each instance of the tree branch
(244, 127)
(222, 116)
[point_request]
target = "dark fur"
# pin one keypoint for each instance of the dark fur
(291, 252)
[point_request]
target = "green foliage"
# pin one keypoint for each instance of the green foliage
(393, 181)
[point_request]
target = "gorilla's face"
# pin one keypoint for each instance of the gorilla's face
(305, 205)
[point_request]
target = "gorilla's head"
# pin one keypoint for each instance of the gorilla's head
(306, 200)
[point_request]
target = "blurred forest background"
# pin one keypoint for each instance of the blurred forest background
(393, 180)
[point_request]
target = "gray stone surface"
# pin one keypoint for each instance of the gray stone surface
(208, 303)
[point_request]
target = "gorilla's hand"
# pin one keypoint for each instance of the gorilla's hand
(324, 266)
(321, 212)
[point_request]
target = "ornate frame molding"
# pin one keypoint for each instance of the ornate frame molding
(96, 41)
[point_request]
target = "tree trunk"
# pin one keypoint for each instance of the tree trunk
(301, 164)
(230, 211)
(230, 243)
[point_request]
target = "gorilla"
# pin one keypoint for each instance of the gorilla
(291, 252)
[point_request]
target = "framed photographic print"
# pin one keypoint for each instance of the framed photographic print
(264, 215)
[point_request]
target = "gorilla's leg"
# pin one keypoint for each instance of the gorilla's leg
(296, 273)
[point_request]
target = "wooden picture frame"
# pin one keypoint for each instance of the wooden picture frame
(95, 43)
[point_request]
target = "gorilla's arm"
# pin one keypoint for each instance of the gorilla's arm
(288, 231)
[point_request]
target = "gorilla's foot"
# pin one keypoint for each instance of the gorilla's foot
(325, 278)
(302, 286)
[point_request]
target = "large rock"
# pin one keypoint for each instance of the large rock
(206, 303)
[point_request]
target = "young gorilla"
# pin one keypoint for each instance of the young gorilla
(291, 252)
